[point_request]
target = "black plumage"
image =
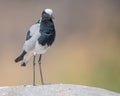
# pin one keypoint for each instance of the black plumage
(28, 36)
(19, 58)
(47, 31)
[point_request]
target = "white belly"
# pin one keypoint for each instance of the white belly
(39, 49)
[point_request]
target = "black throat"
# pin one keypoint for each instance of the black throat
(47, 25)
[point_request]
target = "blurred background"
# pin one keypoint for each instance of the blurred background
(87, 46)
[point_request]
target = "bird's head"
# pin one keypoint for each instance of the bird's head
(47, 14)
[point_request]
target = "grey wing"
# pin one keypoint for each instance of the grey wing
(31, 37)
(33, 29)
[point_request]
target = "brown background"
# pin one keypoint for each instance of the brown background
(87, 46)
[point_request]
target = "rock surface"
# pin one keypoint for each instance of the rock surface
(55, 90)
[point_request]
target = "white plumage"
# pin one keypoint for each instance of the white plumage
(29, 45)
(49, 11)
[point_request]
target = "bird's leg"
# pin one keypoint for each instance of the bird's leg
(34, 70)
(40, 68)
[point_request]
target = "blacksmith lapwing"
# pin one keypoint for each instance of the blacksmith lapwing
(39, 38)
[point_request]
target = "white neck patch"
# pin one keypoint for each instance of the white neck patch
(49, 11)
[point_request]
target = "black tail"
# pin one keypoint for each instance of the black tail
(20, 57)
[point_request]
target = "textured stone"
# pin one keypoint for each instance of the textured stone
(55, 90)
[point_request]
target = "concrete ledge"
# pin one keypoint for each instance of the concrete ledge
(55, 90)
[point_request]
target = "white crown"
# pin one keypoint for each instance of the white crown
(49, 11)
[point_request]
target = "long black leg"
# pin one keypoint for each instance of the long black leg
(34, 70)
(40, 68)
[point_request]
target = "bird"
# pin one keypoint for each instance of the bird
(39, 38)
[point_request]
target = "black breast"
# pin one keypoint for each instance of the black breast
(47, 31)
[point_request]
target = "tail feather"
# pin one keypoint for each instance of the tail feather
(20, 57)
